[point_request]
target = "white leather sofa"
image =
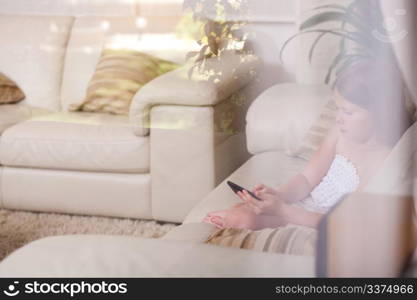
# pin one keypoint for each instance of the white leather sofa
(183, 253)
(136, 166)
(344, 249)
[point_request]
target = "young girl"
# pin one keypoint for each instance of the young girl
(371, 118)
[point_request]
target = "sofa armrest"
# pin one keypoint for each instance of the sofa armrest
(279, 118)
(229, 73)
(366, 235)
(187, 148)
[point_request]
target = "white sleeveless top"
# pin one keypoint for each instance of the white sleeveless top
(341, 178)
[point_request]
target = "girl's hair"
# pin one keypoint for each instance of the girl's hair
(377, 87)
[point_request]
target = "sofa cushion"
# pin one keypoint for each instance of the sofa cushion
(75, 141)
(76, 192)
(32, 54)
(9, 91)
(119, 74)
(280, 117)
(12, 114)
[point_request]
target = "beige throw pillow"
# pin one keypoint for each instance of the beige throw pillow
(318, 131)
(119, 74)
(290, 239)
(9, 91)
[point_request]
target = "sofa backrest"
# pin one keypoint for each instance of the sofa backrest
(280, 117)
(32, 53)
(90, 35)
(366, 235)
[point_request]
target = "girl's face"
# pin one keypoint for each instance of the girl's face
(353, 122)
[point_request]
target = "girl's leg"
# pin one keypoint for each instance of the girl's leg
(240, 216)
(268, 221)
(243, 218)
(247, 219)
(217, 217)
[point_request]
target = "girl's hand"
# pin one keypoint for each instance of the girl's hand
(270, 204)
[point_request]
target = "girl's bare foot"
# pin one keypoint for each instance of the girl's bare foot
(241, 217)
(217, 218)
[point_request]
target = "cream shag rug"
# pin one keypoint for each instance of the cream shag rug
(18, 228)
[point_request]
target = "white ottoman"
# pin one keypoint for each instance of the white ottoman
(121, 256)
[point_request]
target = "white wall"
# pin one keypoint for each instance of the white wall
(70, 7)
(271, 22)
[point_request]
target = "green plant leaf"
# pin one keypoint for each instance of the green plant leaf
(208, 27)
(335, 6)
(334, 32)
(332, 66)
(332, 16)
(366, 40)
(321, 18)
(313, 47)
(213, 45)
(202, 53)
(342, 60)
(349, 59)
(349, 11)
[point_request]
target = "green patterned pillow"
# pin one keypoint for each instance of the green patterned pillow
(118, 76)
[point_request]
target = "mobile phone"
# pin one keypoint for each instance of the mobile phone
(237, 188)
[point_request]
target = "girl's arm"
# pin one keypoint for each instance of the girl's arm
(298, 187)
(283, 213)
(301, 185)
(300, 216)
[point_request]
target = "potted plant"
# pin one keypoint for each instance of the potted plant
(358, 25)
(220, 25)
(217, 25)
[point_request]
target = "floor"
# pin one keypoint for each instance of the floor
(18, 228)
